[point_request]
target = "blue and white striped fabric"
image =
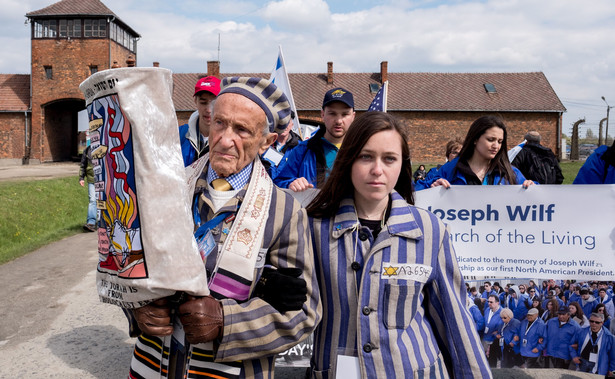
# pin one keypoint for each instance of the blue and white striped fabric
(398, 327)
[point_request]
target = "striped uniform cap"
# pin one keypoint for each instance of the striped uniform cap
(266, 95)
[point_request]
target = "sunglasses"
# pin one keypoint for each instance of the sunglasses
(595, 322)
(532, 291)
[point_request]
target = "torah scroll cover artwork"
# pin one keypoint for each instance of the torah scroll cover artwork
(120, 250)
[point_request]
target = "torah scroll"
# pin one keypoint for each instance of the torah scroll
(146, 247)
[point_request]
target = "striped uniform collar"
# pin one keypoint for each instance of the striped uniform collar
(401, 221)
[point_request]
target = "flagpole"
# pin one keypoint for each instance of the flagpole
(288, 92)
(385, 95)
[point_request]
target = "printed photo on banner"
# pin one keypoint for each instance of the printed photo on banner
(545, 231)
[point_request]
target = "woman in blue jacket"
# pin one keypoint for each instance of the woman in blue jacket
(394, 300)
(483, 159)
(509, 339)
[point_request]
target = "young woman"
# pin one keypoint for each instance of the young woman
(576, 312)
(537, 303)
(551, 311)
(394, 300)
(482, 160)
(601, 308)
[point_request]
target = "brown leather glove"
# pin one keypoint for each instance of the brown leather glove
(155, 318)
(202, 318)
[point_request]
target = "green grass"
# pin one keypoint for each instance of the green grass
(569, 169)
(35, 213)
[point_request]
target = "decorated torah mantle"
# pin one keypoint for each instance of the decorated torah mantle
(146, 246)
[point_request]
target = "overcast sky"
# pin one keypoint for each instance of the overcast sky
(572, 42)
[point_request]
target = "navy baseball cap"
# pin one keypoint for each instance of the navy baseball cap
(563, 310)
(338, 94)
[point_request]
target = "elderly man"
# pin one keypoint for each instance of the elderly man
(560, 333)
(245, 226)
(532, 335)
(592, 348)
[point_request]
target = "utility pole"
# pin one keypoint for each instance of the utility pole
(600, 132)
(608, 108)
(574, 144)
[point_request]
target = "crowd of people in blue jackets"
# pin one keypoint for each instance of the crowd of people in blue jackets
(563, 325)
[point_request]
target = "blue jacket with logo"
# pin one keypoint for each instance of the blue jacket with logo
(606, 350)
(509, 331)
(559, 338)
(531, 337)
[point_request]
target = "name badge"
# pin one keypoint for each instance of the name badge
(502, 341)
(206, 245)
(347, 367)
(406, 271)
(486, 329)
(524, 342)
(273, 155)
(593, 357)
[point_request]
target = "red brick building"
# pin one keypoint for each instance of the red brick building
(436, 107)
(72, 39)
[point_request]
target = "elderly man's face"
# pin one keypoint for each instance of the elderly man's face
(595, 324)
(532, 318)
(236, 134)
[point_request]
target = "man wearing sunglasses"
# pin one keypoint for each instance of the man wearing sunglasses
(592, 349)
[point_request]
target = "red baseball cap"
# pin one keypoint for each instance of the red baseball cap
(210, 84)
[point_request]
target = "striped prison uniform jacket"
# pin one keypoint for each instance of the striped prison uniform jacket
(399, 325)
(254, 331)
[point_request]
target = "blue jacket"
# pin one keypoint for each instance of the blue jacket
(189, 138)
(449, 172)
(593, 170)
(509, 331)
(532, 336)
(606, 350)
(559, 338)
(588, 305)
(479, 320)
(519, 309)
(492, 327)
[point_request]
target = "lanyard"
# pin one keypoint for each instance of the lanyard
(202, 229)
(529, 327)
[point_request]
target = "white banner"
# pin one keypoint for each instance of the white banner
(545, 231)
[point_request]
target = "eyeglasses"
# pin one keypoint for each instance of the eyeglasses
(532, 291)
(595, 322)
(492, 302)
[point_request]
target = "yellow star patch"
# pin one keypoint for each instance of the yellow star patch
(390, 271)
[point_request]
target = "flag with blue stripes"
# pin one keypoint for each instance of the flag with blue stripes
(380, 101)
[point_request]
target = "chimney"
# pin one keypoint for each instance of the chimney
(329, 72)
(213, 68)
(156, 64)
(115, 65)
(384, 74)
(130, 62)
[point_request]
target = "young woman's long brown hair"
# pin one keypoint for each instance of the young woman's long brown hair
(339, 185)
(500, 162)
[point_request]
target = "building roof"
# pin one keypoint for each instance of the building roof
(14, 92)
(77, 8)
(515, 92)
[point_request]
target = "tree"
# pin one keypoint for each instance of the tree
(589, 134)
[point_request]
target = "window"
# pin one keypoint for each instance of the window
(94, 28)
(48, 72)
(93, 70)
(45, 29)
(374, 88)
(70, 28)
(490, 88)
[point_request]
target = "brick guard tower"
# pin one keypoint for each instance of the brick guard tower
(71, 40)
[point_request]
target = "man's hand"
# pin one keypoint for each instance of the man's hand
(82, 182)
(576, 360)
(202, 318)
(282, 288)
(300, 184)
(155, 318)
